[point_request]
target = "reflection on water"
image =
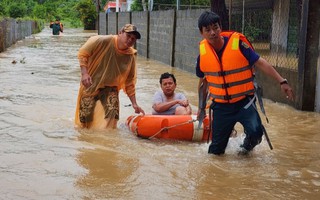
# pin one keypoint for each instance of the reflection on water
(42, 156)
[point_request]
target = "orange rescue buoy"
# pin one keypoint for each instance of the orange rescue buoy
(177, 127)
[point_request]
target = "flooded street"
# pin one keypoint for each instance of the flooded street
(42, 155)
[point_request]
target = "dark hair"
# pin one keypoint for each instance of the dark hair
(207, 18)
(167, 75)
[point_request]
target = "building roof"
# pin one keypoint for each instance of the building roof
(111, 4)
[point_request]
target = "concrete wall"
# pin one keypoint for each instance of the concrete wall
(187, 38)
(123, 19)
(161, 38)
(112, 23)
(141, 20)
(172, 37)
(103, 29)
(12, 30)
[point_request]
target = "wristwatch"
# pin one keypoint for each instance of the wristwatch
(285, 81)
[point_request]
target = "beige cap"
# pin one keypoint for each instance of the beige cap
(130, 28)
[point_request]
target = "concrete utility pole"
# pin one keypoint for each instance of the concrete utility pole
(150, 5)
(308, 55)
(144, 5)
(117, 5)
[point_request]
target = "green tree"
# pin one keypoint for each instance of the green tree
(136, 6)
(87, 14)
(4, 5)
(40, 11)
(17, 10)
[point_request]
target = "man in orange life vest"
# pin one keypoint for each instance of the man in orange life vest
(225, 67)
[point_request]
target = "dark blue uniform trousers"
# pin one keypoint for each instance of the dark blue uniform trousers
(225, 116)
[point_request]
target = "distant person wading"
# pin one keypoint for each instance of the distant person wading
(57, 27)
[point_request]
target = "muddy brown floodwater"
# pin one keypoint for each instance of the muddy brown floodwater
(42, 156)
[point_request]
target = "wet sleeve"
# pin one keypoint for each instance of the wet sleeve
(249, 53)
(130, 88)
(181, 96)
(157, 98)
(199, 73)
(86, 51)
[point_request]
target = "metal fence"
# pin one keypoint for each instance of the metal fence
(273, 37)
(265, 26)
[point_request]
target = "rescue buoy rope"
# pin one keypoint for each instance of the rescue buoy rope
(197, 132)
(173, 126)
(131, 122)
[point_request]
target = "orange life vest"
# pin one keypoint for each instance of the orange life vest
(230, 79)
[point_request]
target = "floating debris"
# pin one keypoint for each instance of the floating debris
(23, 60)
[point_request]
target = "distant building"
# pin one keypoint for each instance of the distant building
(124, 5)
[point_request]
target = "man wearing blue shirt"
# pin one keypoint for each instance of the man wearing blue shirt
(225, 68)
(167, 101)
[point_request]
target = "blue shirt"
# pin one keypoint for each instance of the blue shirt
(248, 53)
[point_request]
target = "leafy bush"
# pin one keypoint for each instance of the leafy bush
(252, 33)
(45, 10)
(87, 14)
(136, 6)
(17, 10)
(40, 11)
(2, 10)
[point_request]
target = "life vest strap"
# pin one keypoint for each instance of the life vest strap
(229, 97)
(224, 73)
(227, 85)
